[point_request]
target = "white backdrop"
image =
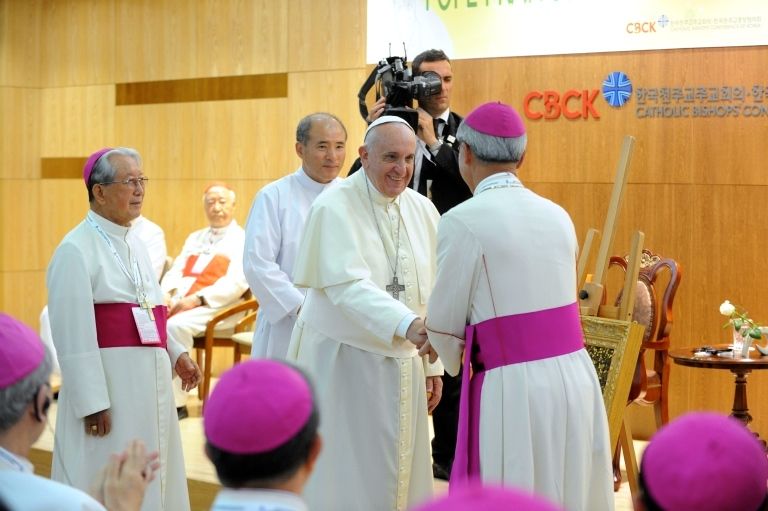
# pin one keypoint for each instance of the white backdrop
(499, 28)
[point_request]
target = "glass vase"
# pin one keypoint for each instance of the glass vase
(740, 339)
(746, 343)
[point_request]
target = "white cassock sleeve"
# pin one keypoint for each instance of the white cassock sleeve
(459, 264)
(331, 259)
(272, 287)
(73, 325)
(154, 240)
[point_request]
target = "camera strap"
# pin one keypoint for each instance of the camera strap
(364, 92)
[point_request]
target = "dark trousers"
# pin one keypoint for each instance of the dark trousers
(445, 419)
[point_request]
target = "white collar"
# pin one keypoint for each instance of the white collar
(108, 225)
(376, 195)
(259, 499)
(498, 180)
(309, 183)
(9, 461)
(221, 231)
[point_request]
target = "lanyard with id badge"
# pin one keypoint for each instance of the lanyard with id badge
(142, 315)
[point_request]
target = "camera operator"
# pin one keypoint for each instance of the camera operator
(436, 172)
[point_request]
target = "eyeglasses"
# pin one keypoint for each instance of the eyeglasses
(133, 182)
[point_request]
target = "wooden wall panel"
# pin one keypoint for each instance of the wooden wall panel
(78, 42)
(19, 43)
(330, 91)
(177, 206)
(49, 209)
(21, 250)
(240, 37)
(77, 120)
(181, 39)
(163, 134)
(273, 85)
(23, 295)
(63, 205)
(243, 140)
(160, 41)
(19, 133)
(210, 140)
(727, 150)
(326, 35)
(62, 167)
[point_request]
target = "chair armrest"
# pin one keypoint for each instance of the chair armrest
(250, 304)
(246, 322)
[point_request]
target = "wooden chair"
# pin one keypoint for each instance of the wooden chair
(244, 339)
(215, 336)
(657, 285)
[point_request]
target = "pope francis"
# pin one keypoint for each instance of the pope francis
(367, 259)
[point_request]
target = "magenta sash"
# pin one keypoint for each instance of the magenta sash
(115, 327)
(499, 342)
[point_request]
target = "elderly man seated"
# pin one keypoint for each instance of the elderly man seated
(207, 276)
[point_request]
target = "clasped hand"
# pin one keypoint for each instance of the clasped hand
(185, 304)
(417, 334)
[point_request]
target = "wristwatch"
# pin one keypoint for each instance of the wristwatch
(201, 298)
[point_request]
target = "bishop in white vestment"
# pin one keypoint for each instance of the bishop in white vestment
(153, 237)
(367, 261)
(275, 226)
(532, 415)
(108, 325)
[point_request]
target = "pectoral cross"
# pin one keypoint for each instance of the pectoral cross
(394, 288)
(146, 304)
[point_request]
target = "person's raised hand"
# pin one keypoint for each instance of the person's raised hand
(377, 110)
(426, 130)
(127, 476)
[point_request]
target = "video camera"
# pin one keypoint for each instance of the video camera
(394, 81)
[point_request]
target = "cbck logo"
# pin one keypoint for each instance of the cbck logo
(617, 89)
(577, 104)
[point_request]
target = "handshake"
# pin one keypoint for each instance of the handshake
(417, 334)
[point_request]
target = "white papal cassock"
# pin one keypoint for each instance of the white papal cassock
(543, 427)
(134, 383)
(370, 383)
(272, 235)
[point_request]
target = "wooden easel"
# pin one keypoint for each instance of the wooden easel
(610, 328)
